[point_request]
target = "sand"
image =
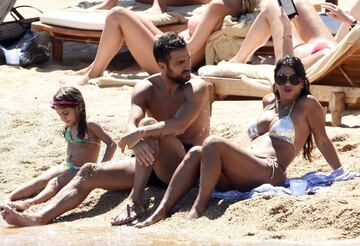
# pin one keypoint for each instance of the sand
(31, 142)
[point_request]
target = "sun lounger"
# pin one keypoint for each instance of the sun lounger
(86, 26)
(335, 78)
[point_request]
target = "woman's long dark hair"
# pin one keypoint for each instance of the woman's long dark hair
(71, 94)
(296, 64)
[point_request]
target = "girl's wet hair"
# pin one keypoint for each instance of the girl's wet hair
(296, 64)
(70, 97)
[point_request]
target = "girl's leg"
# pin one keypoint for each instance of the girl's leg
(112, 176)
(121, 26)
(211, 21)
(227, 166)
(52, 187)
(181, 182)
(35, 185)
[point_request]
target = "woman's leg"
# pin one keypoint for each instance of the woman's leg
(35, 185)
(211, 21)
(121, 26)
(226, 166)
(181, 182)
(52, 187)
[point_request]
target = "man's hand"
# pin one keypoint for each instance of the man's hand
(143, 153)
(338, 14)
(130, 140)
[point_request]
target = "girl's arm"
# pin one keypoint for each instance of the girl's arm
(104, 136)
(316, 120)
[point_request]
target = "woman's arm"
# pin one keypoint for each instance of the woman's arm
(105, 137)
(343, 17)
(316, 120)
(287, 47)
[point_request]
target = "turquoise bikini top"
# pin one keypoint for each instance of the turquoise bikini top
(77, 139)
(282, 129)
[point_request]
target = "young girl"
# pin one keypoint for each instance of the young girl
(83, 140)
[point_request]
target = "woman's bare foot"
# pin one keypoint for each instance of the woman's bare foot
(83, 71)
(18, 219)
(19, 205)
(193, 214)
(158, 215)
(128, 214)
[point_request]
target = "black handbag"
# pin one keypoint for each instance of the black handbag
(12, 31)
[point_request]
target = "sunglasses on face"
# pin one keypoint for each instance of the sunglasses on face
(281, 79)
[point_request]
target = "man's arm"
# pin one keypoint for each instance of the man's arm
(138, 106)
(196, 96)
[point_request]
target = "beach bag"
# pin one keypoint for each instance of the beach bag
(32, 49)
(12, 31)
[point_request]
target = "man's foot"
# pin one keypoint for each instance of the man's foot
(19, 205)
(18, 219)
(128, 214)
(156, 217)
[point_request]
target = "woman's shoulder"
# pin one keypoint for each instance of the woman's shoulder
(309, 102)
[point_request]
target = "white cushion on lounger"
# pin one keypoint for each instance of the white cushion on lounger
(95, 20)
(263, 72)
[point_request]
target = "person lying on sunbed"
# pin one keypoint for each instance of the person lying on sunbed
(124, 26)
(311, 38)
(158, 6)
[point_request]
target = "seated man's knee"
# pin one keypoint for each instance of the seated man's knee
(194, 153)
(147, 121)
(211, 143)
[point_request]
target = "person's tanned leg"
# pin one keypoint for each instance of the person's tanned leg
(36, 185)
(121, 26)
(183, 179)
(110, 176)
(169, 152)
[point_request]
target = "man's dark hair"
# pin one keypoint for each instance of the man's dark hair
(166, 44)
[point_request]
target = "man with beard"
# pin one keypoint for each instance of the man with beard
(169, 114)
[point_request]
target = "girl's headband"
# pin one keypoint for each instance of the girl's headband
(57, 103)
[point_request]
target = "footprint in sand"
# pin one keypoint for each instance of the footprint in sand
(347, 147)
(340, 138)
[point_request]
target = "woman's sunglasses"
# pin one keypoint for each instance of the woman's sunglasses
(281, 79)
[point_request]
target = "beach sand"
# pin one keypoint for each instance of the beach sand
(31, 142)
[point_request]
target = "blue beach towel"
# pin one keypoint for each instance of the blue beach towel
(316, 182)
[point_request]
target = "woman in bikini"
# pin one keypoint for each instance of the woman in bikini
(311, 38)
(290, 119)
(83, 140)
(125, 26)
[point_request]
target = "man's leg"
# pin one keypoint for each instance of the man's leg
(169, 152)
(181, 182)
(110, 176)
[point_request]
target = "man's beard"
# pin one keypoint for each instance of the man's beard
(180, 79)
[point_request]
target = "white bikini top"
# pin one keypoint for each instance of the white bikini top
(282, 129)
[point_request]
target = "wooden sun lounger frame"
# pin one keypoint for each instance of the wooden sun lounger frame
(337, 89)
(60, 34)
